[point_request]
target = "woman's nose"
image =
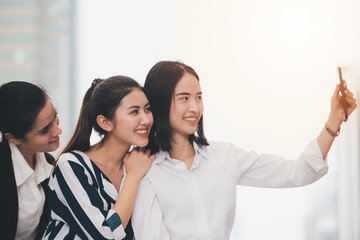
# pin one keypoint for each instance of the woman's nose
(193, 106)
(57, 130)
(145, 119)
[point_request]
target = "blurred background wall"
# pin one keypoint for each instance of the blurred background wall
(267, 70)
(37, 44)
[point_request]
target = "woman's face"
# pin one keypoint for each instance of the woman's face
(133, 119)
(44, 137)
(186, 107)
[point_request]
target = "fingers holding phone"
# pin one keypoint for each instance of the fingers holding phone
(348, 102)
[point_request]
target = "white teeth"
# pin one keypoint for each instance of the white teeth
(190, 119)
(141, 131)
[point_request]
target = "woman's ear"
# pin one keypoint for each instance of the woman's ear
(104, 123)
(12, 139)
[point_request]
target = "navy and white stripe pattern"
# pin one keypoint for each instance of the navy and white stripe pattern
(80, 199)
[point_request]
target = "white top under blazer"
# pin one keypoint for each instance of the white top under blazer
(31, 196)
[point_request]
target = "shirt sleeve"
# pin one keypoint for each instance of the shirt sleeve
(77, 202)
(147, 219)
(266, 170)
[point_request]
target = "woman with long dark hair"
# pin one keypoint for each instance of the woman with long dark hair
(29, 129)
(190, 190)
(92, 188)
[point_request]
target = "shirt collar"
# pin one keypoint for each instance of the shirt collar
(163, 155)
(200, 150)
(42, 167)
(22, 170)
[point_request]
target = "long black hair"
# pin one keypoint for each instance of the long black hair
(102, 98)
(159, 88)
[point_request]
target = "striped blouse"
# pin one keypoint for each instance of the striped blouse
(80, 199)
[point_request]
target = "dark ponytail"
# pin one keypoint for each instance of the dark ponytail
(102, 98)
(81, 136)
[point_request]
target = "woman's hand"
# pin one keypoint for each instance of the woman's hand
(336, 117)
(138, 162)
(337, 112)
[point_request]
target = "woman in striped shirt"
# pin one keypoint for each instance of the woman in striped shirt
(93, 187)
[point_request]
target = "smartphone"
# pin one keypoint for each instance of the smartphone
(342, 90)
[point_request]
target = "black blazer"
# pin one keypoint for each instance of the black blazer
(9, 198)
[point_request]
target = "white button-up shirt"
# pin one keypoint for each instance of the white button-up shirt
(31, 196)
(176, 203)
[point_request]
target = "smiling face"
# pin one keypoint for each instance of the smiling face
(186, 107)
(44, 136)
(133, 119)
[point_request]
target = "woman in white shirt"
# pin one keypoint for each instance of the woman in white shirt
(92, 188)
(28, 129)
(190, 190)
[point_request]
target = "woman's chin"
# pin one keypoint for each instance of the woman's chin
(142, 143)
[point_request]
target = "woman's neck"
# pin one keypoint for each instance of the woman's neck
(109, 153)
(29, 157)
(183, 150)
(109, 158)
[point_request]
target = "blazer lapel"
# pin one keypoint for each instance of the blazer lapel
(8, 198)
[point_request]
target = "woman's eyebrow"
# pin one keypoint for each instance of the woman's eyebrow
(182, 93)
(185, 93)
(134, 106)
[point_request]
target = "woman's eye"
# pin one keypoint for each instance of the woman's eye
(147, 110)
(44, 131)
(135, 112)
(184, 98)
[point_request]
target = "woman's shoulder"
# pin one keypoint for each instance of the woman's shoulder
(221, 148)
(217, 145)
(74, 156)
(76, 162)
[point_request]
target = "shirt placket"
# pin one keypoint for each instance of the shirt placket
(198, 205)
